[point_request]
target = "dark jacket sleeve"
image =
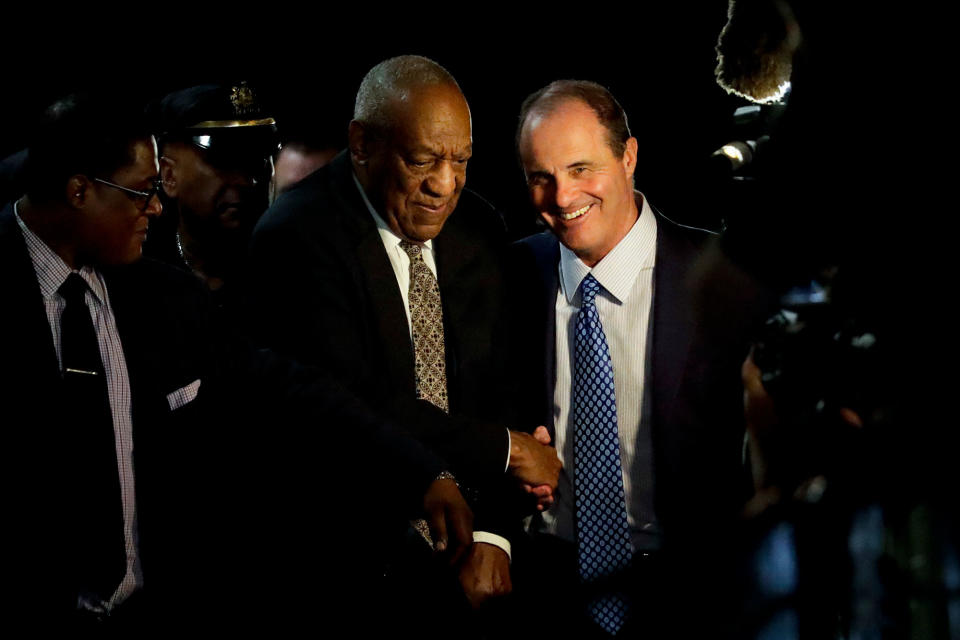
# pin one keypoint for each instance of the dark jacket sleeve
(307, 298)
(280, 412)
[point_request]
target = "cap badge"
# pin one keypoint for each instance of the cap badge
(243, 100)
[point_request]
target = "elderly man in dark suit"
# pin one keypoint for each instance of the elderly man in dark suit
(383, 266)
(645, 414)
(118, 479)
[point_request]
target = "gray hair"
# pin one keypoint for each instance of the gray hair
(392, 79)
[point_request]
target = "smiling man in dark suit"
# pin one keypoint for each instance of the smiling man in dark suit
(118, 478)
(384, 267)
(645, 414)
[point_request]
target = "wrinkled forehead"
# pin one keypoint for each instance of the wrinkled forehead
(563, 132)
(571, 109)
(436, 113)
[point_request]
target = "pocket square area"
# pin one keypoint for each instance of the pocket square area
(184, 395)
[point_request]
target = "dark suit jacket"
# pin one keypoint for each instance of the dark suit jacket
(323, 290)
(220, 502)
(697, 399)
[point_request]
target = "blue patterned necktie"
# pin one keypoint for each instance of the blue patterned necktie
(603, 536)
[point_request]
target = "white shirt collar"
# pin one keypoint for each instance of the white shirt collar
(387, 235)
(616, 271)
(50, 268)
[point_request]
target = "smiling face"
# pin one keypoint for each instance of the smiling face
(113, 226)
(415, 173)
(578, 186)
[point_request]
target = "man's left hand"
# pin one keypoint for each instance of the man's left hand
(449, 517)
(485, 573)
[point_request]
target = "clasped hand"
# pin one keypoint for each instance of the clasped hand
(536, 464)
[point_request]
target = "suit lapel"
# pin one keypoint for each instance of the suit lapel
(454, 252)
(28, 322)
(378, 277)
(672, 317)
(546, 252)
(135, 327)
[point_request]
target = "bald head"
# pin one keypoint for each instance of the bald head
(394, 82)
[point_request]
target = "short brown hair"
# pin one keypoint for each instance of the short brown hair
(609, 112)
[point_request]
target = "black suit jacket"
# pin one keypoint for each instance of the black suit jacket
(323, 290)
(697, 425)
(221, 501)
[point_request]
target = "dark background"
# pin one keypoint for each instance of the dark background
(659, 62)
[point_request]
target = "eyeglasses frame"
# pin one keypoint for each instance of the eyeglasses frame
(134, 194)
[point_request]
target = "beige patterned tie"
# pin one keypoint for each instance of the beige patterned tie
(426, 321)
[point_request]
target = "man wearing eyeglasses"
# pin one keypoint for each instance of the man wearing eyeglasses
(84, 209)
(118, 480)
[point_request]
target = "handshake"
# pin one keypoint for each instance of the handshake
(535, 464)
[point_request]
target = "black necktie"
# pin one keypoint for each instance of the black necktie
(98, 520)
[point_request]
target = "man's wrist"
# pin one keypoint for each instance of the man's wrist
(497, 541)
(446, 475)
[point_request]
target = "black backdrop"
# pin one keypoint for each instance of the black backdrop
(659, 62)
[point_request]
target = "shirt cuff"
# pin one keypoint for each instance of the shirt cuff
(495, 540)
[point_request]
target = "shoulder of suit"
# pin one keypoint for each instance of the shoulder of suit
(537, 254)
(671, 225)
(155, 278)
(307, 189)
(545, 240)
(475, 208)
(696, 236)
(476, 214)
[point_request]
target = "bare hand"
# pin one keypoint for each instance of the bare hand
(485, 573)
(541, 435)
(532, 460)
(447, 511)
(543, 494)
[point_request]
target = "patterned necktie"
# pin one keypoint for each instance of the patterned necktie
(426, 321)
(603, 537)
(98, 522)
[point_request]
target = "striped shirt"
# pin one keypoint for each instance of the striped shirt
(624, 305)
(52, 272)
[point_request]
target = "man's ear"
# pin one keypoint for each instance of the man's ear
(76, 191)
(168, 176)
(630, 157)
(358, 140)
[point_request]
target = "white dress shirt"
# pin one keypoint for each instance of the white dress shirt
(624, 305)
(52, 272)
(399, 259)
(400, 262)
